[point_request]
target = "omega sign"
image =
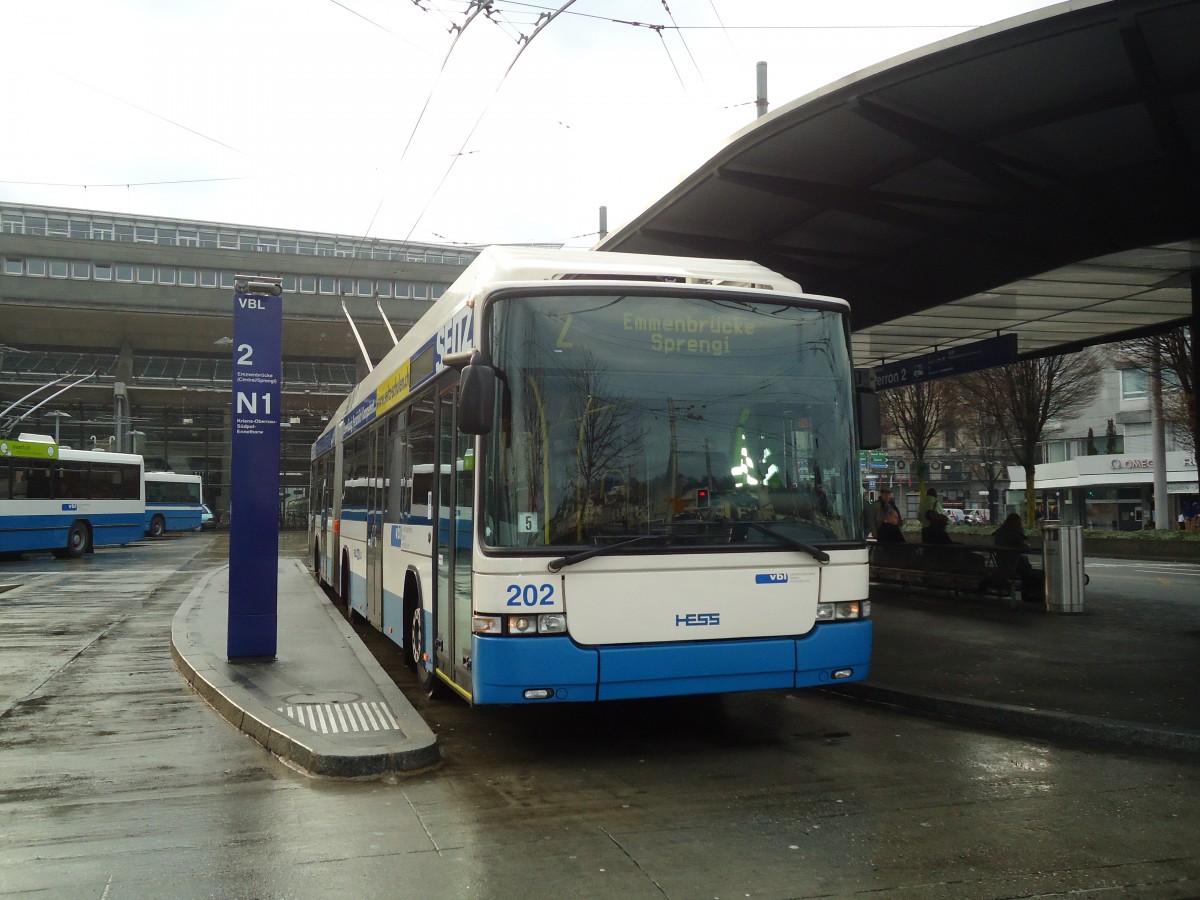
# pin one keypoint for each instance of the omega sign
(1133, 464)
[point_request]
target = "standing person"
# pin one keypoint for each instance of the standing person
(881, 507)
(929, 505)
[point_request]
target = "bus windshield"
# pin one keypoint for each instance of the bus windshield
(655, 413)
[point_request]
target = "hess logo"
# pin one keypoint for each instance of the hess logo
(692, 619)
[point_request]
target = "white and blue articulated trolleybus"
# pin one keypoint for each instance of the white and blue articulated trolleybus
(591, 476)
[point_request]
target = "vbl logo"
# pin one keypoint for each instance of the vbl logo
(771, 578)
(698, 619)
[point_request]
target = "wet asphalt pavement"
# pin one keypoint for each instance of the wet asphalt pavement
(116, 780)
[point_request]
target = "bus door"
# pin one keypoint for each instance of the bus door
(452, 554)
(376, 498)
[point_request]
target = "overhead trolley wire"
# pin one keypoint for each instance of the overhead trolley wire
(543, 21)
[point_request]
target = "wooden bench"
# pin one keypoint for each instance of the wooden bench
(957, 568)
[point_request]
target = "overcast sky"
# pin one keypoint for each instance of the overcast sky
(348, 116)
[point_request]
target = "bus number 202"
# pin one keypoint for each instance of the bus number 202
(530, 595)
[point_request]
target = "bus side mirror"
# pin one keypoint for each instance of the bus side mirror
(476, 399)
(866, 410)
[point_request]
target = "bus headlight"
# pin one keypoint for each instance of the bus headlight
(844, 611)
(552, 623)
(519, 626)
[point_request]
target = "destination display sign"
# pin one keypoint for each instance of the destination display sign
(985, 354)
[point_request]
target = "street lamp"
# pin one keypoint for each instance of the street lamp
(58, 415)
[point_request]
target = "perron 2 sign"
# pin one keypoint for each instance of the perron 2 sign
(254, 474)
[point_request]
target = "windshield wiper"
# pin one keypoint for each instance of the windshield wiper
(555, 564)
(816, 553)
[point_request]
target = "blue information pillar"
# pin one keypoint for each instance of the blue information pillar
(254, 472)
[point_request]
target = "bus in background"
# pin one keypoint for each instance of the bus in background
(648, 483)
(67, 501)
(173, 503)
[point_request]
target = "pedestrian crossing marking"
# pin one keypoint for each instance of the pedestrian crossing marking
(342, 718)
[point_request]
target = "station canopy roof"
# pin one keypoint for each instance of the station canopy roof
(1040, 176)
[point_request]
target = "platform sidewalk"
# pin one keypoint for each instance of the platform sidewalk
(324, 705)
(1124, 672)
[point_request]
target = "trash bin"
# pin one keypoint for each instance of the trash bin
(1062, 560)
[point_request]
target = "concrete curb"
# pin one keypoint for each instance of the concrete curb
(1072, 726)
(229, 690)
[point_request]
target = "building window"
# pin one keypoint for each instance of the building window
(12, 224)
(346, 286)
(384, 288)
(327, 284)
(123, 232)
(366, 287)
(227, 280)
(287, 245)
(208, 240)
(58, 227)
(166, 275)
(144, 234)
(167, 236)
(420, 290)
(187, 277)
(102, 271)
(307, 248)
(227, 241)
(208, 278)
(81, 229)
(308, 284)
(289, 283)
(35, 225)
(403, 289)
(189, 237)
(14, 266)
(438, 290)
(102, 232)
(35, 267)
(145, 274)
(124, 272)
(1135, 384)
(59, 268)
(81, 269)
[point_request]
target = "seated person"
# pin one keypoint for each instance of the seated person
(889, 529)
(935, 531)
(1011, 535)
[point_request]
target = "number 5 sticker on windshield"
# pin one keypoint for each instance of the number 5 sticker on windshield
(527, 522)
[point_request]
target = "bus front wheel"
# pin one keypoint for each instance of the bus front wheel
(158, 526)
(79, 540)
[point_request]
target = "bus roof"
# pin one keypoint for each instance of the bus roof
(500, 266)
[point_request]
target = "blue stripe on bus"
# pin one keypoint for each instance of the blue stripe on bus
(506, 667)
(49, 532)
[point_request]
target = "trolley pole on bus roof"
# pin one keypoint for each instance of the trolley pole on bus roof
(254, 468)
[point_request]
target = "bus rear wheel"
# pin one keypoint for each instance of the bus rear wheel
(79, 540)
(158, 526)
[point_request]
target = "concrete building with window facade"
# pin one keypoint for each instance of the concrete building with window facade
(133, 316)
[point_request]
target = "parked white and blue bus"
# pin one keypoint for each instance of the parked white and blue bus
(649, 467)
(67, 501)
(174, 502)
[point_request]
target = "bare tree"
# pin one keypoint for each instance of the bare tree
(1176, 382)
(1022, 397)
(917, 414)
